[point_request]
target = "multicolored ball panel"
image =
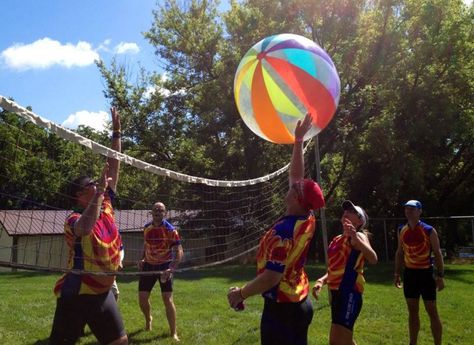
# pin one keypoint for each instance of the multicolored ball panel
(279, 80)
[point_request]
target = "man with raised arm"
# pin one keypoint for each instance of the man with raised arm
(281, 257)
(94, 246)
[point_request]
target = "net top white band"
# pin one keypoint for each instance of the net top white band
(67, 134)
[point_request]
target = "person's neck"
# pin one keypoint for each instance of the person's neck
(296, 211)
(157, 222)
(413, 222)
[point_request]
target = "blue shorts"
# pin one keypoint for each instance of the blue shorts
(146, 283)
(345, 307)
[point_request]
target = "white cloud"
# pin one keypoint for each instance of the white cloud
(105, 45)
(150, 90)
(97, 120)
(46, 52)
(127, 47)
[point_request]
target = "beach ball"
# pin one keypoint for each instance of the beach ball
(279, 80)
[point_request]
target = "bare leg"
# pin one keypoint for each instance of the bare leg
(413, 305)
(170, 313)
(145, 306)
(436, 326)
(340, 335)
(120, 341)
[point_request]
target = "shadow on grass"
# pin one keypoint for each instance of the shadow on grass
(135, 337)
(26, 274)
(41, 342)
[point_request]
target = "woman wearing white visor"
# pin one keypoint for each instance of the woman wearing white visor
(347, 253)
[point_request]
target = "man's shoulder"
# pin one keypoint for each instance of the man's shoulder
(402, 226)
(425, 226)
(168, 226)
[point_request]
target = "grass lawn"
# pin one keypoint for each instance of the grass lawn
(27, 306)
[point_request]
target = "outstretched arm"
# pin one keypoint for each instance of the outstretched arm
(263, 282)
(91, 213)
(297, 159)
(114, 164)
(319, 285)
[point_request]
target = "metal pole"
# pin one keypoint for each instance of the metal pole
(386, 243)
(472, 229)
(322, 210)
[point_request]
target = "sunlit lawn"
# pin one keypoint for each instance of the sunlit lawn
(27, 306)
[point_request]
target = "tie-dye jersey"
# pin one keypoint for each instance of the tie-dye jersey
(345, 266)
(283, 249)
(416, 245)
(97, 252)
(158, 242)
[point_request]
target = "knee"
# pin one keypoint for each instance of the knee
(121, 341)
(143, 299)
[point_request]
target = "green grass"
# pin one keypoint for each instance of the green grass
(27, 306)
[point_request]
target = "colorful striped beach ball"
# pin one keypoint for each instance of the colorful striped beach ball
(279, 80)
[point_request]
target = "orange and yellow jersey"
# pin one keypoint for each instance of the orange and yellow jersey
(283, 249)
(97, 252)
(345, 266)
(158, 242)
(416, 245)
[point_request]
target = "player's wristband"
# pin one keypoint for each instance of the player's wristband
(241, 294)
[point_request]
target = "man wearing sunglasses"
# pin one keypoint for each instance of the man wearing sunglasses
(94, 246)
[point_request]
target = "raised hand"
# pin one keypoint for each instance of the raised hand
(349, 229)
(104, 180)
(116, 127)
(302, 127)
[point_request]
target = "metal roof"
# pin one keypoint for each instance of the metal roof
(51, 222)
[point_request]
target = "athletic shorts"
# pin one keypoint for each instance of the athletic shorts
(100, 312)
(419, 282)
(285, 323)
(345, 307)
(146, 283)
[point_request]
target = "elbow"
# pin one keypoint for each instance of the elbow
(373, 259)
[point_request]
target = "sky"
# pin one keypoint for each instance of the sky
(48, 49)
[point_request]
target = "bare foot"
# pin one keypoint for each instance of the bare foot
(148, 324)
(176, 338)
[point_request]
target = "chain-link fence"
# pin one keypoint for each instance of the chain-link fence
(455, 233)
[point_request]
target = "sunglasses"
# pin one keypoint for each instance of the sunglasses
(88, 184)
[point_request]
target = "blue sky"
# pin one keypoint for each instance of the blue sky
(48, 48)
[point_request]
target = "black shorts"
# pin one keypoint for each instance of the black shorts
(345, 307)
(285, 323)
(419, 282)
(146, 283)
(100, 312)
